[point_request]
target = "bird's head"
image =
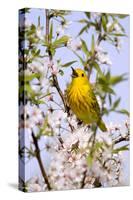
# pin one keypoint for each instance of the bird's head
(79, 75)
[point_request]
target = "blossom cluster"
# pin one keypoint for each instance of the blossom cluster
(72, 166)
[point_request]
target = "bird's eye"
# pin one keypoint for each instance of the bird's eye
(82, 75)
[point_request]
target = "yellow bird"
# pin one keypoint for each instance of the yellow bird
(82, 100)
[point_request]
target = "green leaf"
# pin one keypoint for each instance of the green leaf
(51, 32)
(123, 111)
(105, 111)
(102, 80)
(123, 148)
(110, 99)
(35, 52)
(83, 29)
(108, 76)
(83, 21)
(122, 16)
(117, 79)
(32, 29)
(111, 28)
(38, 101)
(26, 51)
(92, 44)
(88, 15)
(28, 88)
(44, 43)
(116, 103)
(104, 22)
(98, 145)
(107, 89)
(122, 28)
(68, 63)
(117, 34)
(80, 58)
(89, 160)
(61, 41)
(30, 77)
(97, 67)
(84, 47)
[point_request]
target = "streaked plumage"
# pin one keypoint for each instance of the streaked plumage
(82, 101)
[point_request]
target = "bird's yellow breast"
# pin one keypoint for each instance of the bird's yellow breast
(79, 101)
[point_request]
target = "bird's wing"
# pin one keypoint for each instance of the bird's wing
(95, 104)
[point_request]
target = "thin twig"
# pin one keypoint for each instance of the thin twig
(93, 141)
(56, 84)
(57, 104)
(83, 180)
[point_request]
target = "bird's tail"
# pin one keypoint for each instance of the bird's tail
(102, 126)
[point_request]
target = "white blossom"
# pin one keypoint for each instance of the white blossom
(99, 101)
(35, 184)
(39, 33)
(69, 165)
(117, 28)
(55, 118)
(35, 85)
(32, 118)
(80, 137)
(27, 72)
(27, 23)
(72, 120)
(51, 144)
(111, 26)
(102, 56)
(66, 24)
(44, 82)
(74, 44)
(59, 30)
(95, 15)
(38, 66)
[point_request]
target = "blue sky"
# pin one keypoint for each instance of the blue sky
(120, 64)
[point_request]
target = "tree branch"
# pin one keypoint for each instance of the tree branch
(38, 157)
(122, 139)
(55, 80)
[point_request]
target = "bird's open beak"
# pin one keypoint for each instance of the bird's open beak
(74, 73)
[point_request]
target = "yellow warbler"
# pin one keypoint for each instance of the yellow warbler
(82, 100)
